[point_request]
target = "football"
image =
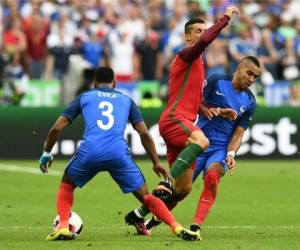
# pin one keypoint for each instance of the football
(75, 223)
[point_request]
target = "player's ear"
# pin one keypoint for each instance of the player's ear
(187, 37)
(114, 84)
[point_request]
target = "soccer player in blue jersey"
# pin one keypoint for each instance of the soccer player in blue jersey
(225, 135)
(106, 112)
(228, 108)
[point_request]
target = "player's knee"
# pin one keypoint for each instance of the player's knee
(182, 192)
(212, 179)
(203, 143)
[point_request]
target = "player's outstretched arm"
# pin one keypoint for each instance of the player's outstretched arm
(193, 52)
(47, 158)
(149, 146)
(233, 146)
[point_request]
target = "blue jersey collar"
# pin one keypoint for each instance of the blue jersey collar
(105, 89)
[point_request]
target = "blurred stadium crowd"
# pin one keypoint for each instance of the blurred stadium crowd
(67, 39)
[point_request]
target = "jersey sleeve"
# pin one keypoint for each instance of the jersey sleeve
(73, 110)
(135, 115)
(248, 115)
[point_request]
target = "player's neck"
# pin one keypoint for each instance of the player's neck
(235, 83)
(103, 85)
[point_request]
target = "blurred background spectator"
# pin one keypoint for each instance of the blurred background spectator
(64, 40)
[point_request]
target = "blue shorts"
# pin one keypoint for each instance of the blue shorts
(123, 170)
(212, 154)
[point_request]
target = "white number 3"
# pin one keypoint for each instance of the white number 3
(107, 113)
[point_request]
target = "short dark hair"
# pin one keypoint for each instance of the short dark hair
(104, 75)
(189, 23)
(252, 59)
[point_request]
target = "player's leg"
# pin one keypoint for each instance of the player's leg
(215, 170)
(77, 174)
(130, 179)
(185, 136)
(160, 210)
(182, 187)
(201, 160)
(162, 191)
(64, 203)
(195, 145)
(170, 195)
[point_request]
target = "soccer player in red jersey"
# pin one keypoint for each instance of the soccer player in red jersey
(184, 140)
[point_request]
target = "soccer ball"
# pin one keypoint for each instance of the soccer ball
(75, 223)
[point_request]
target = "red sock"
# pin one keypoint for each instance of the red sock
(208, 196)
(160, 210)
(64, 203)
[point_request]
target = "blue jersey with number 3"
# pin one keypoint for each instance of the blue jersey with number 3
(105, 112)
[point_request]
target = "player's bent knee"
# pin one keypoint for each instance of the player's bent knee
(182, 192)
(204, 143)
(212, 178)
(217, 167)
(199, 138)
(141, 193)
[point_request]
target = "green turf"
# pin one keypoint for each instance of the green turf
(257, 208)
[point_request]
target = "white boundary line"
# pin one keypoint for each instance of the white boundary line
(126, 227)
(28, 170)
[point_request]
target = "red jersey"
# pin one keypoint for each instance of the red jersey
(187, 76)
(36, 31)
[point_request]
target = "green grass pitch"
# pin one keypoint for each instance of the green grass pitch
(257, 208)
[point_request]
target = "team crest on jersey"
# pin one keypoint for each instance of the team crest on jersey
(242, 109)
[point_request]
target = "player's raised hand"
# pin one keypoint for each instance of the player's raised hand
(45, 162)
(228, 113)
(159, 169)
(231, 10)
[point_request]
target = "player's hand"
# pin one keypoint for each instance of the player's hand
(209, 113)
(228, 113)
(45, 162)
(231, 10)
(161, 171)
(230, 162)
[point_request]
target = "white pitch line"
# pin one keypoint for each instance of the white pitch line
(28, 170)
(126, 227)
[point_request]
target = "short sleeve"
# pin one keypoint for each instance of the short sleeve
(73, 110)
(135, 115)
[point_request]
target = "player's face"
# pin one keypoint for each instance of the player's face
(247, 74)
(196, 31)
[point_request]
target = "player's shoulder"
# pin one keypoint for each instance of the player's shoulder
(119, 93)
(250, 93)
(251, 97)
